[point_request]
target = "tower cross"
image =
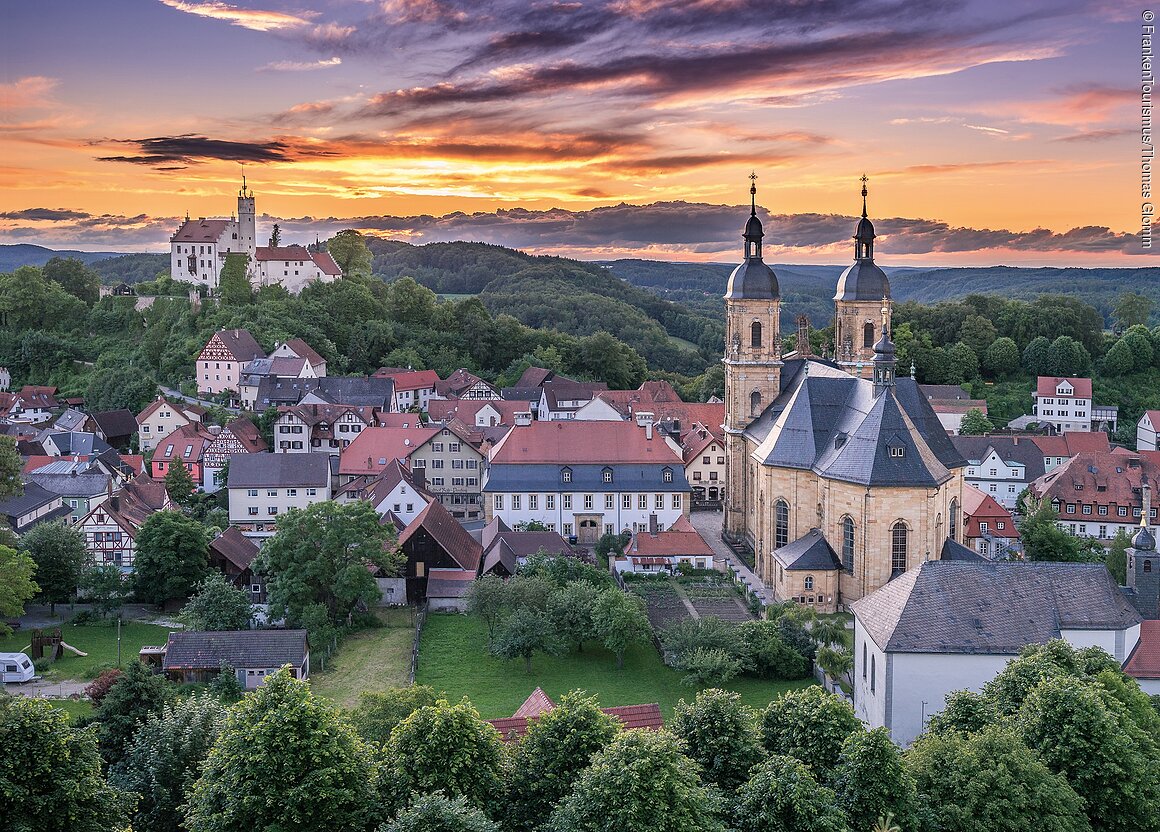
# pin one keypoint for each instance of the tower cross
(864, 180)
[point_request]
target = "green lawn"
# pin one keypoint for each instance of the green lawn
(369, 660)
(453, 658)
(100, 642)
(73, 707)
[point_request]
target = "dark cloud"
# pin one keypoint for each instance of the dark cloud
(191, 149)
(670, 230)
(45, 214)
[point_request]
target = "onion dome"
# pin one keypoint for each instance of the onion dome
(753, 280)
(863, 280)
(1143, 541)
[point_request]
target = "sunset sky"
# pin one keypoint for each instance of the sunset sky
(998, 132)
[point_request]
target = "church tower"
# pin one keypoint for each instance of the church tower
(862, 290)
(1144, 563)
(247, 223)
(752, 360)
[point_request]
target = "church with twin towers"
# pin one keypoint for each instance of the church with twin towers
(839, 475)
(198, 251)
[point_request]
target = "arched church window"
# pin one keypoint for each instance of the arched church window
(809, 582)
(899, 538)
(954, 520)
(868, 335)
(755, 335)
(780, 524)
(848, 544)
(754, 402)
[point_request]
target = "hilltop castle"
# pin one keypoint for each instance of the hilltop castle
(839, 474)
(199, 247)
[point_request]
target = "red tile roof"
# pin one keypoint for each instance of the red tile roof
(1046, 386)
(193, 437)
(248, 434)
(304, 350)
(1144, 662)
(466, 409)
(294, 252)
(537, 703)
(1072, 443)
(980, 507)
(200, 231)
(582, 443)
(647, 717)
(1154, 418)
(239, 343)
(410, 379)
(669, 544)
(375, 447)
(1079, 481)
(326, 263)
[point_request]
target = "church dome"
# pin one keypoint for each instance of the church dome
(863, 280)
(753, 280)
(753, 230)
(884, 348)
(1143, 540)
(865, 230)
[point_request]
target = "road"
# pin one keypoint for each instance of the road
(177, 394)
(710, 525)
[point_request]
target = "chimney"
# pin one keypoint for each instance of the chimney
(652, 525)
(644, 419)
(523, 418)
(1146, 498)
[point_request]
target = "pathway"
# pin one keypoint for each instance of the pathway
(177, 394)
(710, 524)
(47, 690)
(685, 600)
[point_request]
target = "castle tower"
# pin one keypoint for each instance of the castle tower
(1143, 565)
(862, 289)
(247, 222)
(752, 360)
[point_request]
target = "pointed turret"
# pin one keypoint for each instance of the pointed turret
(884, 361)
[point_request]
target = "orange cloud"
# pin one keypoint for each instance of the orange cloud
(256, 19)
(31, 92)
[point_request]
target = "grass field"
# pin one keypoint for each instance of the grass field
(100, 642)
(369, 660)
(453, 658)
(73, 707)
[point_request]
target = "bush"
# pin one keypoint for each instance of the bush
(709, 666)
(771, 655)
(41, 665)
(99, 688)
(86, 618)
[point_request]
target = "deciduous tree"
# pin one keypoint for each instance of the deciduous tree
(11, 485)
(641, 783)
(60, 555)
(16, 585)
(74, 277)
(975, 423)
(570, 610)
(350, 252)
(179, 483)
(721, 735)
(134, 695)
(319, 555)
(285, 759)
(436, 813)
(171, 557)
(811, 725)
(378, 712)
(548, 759)
(1132, 308)
(162, 761)
(782, 795)
(871, 782)
(234, 285)
(619, 621)
(217, 605)
(523, 634)
(50, 774)
(1001, 358)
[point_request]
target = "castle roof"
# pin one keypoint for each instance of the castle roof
(201, 231)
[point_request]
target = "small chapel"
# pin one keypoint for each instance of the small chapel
(839, 475)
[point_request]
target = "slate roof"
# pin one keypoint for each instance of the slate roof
(753, 280)
(536, 376)
(33, 498)
(240, 649)
(944, 392)
(75, 442)
(279, 470)
(235, 547)
(70, 420)
(810, 552)
(994, 608)
(360, 391)
(830, 422)
(455, 540)
(1020, 449)
(71, 478)
(953, 550)
(116, 423)
(863, 280)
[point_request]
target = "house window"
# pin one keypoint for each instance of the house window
(271, 492)
(754, 402)
(872, 674)
(533, 500)
(606, 475)
(659, 501)
(809, 582)
(898, 545)
(588, 502)
(566, 475)
(271, 509)
(516, 502)
(848, 544)
(983, 528)
(311, 492)
(1103, 511)
(567, 502)
(550, 502)
(567, 529)
(897, 451)
(291, 492)
(626, 502)
(1000, 525)
(642, 502)
(608, 527)
(780, 524)
(1071, 508)
(610, 501)
(696, 476)
(1122, 511)
(498, 502)
(251, 492)
(868, 335)
(676, 501)
(253, 511)
(667, 475)
(1087, 509)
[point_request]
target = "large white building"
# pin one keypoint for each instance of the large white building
(1066, 403)
(199, 247)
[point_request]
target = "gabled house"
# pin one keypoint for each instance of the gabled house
(655, 551)
(35, 506)
(111, 528)
(480, 413)
(232, 554)
(293, 267)
(219, 365)
(185, 446)
(114, 426)
(320, 428)
(264, 486)
(241, 436)
(297, 348)
(394, 493)
(1096, 494)
(561, 398)
(413, 388)
(357, 391)
(989, 528)
(1065, 403)
(376, 447)
(463, 384)
(946, 626)
(252, 654)
(161, 417)
(505, 550)
(703, 451)
(80, 483)
(442, 558)
(31, 405)
(1146, 431)
(73, 443)
(72, 419)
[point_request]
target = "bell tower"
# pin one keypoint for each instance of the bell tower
(247, 222)
(862, 289)
(752, 361)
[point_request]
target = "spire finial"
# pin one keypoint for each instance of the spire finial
(864, 181)
(912, 368)
(753, 193)
(885, 311)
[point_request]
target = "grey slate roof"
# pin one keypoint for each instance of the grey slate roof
(279, 470)
(70, 420)
(991, 608)
(502, 477)
(241, 649)
(360, 391)
(836, 425)
(1010, 449)
(953, 550)
(520, 394)
(810, 552)
(76, 442)
(33, 498)
(753, 280)
(86, 483)
(116, 423)
(863, 280)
